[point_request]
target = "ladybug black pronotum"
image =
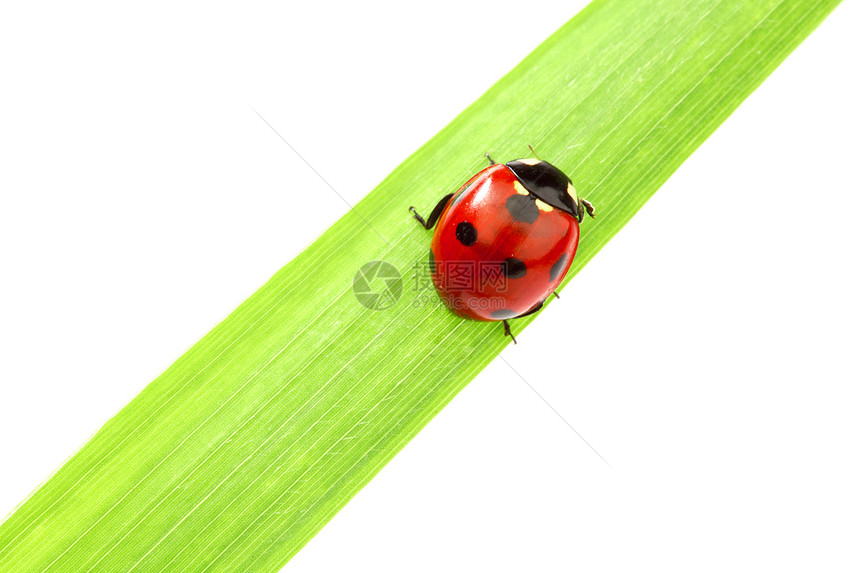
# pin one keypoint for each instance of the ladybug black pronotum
(505, 240)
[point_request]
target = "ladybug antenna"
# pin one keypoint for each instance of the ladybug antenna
(534, 152)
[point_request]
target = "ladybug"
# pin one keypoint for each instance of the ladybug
(505, 240)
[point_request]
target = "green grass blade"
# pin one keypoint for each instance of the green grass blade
(249, 443)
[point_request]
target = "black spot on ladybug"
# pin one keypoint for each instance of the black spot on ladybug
(502, 314)
(467, 233)
(556, 267)
(522, 208)
(514, 268)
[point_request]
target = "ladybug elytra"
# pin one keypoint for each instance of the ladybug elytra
(504, 242)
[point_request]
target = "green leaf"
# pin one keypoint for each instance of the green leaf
(251, 441)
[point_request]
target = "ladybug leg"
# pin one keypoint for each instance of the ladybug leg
(556, 294)
(587, 206)
(536, 308)
(490, 159)
(434, 215)
(508, 331)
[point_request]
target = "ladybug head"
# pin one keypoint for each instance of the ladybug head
(549, 184)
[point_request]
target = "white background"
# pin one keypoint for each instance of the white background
(709, 353)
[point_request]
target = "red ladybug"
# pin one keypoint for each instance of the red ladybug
(505, 240)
